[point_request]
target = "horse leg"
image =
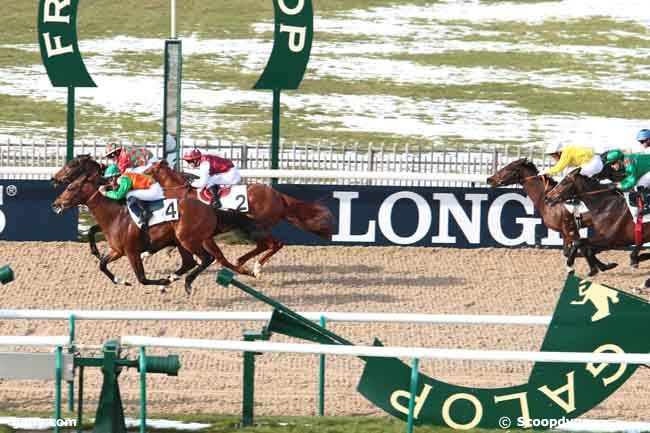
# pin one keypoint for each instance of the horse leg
(571, 252)
(103, 266)
(601, 266)
(92, 231)
(259, 248)
(205, 261)
(273, 245)
(634, 257)
(138, 268)
(187, 263)
(212, 248)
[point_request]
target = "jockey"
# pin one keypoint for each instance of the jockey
(643, 137)
(213, 171)
(137, 188)
(128, 158)
(573, 156)
(637, 169)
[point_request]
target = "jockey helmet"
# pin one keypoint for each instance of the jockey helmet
(553, 148)
(112, 148)
(112, 171)
(643, 135)
(192, 155)
(614, 156)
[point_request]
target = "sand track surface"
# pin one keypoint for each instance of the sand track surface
(337, 279)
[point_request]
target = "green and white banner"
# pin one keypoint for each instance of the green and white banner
(57, 37)
(293, 36)
(589, 317)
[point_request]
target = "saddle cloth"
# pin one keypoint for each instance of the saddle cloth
(233, 197)
(634, 211)
(162, 211)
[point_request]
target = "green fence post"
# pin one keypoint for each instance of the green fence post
(71, 323)
(414, 390)
(57, 387)
(69, 152)
(143, 391)
(321, 376)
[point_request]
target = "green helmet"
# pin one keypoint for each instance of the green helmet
(112, 171)
(614, 155)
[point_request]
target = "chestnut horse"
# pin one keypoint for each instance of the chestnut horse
(615, 227)
(266, 207)
(193, 233)
(556, 217)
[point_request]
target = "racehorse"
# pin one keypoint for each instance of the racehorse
(192, 233)
(266, 207)
(558, 218)
(612, 220)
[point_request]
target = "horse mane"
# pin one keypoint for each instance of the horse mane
(527, 163)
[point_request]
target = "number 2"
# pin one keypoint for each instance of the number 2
(242, 201)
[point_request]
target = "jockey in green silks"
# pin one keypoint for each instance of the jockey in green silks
(637, 169)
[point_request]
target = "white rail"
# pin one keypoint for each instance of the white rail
(35, 341)
(433, 319)
(46, 172)
(388, 352)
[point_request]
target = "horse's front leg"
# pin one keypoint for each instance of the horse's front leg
(92, 231)
(103, 266)
(187, 264)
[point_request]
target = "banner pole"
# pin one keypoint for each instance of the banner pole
(173, 18)
(275, 134)
(69, 154)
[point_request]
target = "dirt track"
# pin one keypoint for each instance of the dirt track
(406, 280)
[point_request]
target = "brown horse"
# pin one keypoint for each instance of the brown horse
(192, 233)
(612, 220)
(557, 217)
(266, 207)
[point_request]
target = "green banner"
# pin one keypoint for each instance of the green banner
(589, 317)
(292, 40)
(57, 37)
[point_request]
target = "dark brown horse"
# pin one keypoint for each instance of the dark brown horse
(611, 217)
(556, 217)
(266, 207)
(193, 233)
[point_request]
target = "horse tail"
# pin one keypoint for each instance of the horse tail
(312, 217)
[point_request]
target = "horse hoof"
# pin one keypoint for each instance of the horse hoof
(569, 270)
(593, 272)
(257, 269)
(634, 265)
(174, 277)
(609, 266)
(188, 290)
(145, 255)
(163, 290)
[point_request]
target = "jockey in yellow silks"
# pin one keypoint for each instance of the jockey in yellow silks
(574, 156)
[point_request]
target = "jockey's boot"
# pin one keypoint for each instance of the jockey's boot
(216, 201)
(145, 216)
(645, 197)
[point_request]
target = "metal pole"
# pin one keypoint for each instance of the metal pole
(321, 376)
(249, 389)
(71, 323)
(414, 389)
(57, 388)
(80, 400)
(69, 154)
(275, 134)
(143, 391)
(173, 18)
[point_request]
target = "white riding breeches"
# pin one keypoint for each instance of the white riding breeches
(154, 192)
(230, 177)
(593, 167)
(142, 168)
(644, 181)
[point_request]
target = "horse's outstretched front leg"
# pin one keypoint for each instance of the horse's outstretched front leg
(215, 251)
(601, 266)
(103, 266)
(187, 264)
(138, 268)
(273, 246)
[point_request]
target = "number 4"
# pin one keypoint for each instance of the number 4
(171, 210)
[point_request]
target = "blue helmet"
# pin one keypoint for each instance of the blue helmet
(643, 135)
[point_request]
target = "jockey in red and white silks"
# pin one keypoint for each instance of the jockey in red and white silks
(214, 171)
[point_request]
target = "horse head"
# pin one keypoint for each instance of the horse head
(571, 186)
(79, 191)
(165, 175)
(514, 173)
(78, 166)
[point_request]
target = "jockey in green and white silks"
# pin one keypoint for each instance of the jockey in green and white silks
(636, 166)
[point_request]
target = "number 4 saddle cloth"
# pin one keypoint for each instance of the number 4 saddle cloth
(161, 210)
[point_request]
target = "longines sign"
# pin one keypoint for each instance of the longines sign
(424, 216)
